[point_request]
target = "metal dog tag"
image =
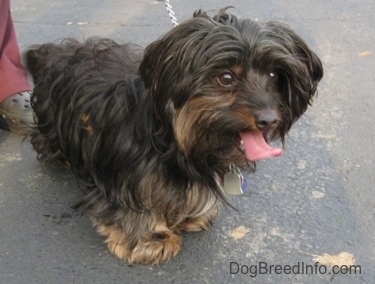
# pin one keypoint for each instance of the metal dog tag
(232, 183)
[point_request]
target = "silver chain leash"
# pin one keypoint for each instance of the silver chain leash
(170, 12)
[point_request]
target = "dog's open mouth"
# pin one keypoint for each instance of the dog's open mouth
(256, 148)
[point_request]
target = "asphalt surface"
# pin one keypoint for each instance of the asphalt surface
(315, 201)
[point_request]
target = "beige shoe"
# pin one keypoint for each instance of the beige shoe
(16, 113)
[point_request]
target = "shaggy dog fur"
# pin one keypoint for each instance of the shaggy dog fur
(150, 133)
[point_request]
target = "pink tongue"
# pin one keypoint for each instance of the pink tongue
(256, 148)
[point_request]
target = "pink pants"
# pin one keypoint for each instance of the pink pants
(13, 76)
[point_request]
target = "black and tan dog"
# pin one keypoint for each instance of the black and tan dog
(150, 132)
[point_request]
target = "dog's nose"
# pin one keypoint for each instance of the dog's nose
(265, 120)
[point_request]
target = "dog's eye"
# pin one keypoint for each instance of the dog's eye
(226, 79)
(273, 75)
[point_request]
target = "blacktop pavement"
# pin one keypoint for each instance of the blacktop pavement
(313, 204)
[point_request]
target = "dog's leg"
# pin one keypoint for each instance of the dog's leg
(154, 245)
(199, 222)
(200, 209)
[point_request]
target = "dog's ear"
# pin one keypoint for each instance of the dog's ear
(302, 68)
(173, 57)
(148, 64)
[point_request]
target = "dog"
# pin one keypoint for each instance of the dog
(151, 133)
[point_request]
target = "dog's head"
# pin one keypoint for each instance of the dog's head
(223, 86)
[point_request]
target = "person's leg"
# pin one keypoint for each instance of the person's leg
(15, 110)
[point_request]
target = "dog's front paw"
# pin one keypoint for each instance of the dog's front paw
(158, 249)
(151, 247)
